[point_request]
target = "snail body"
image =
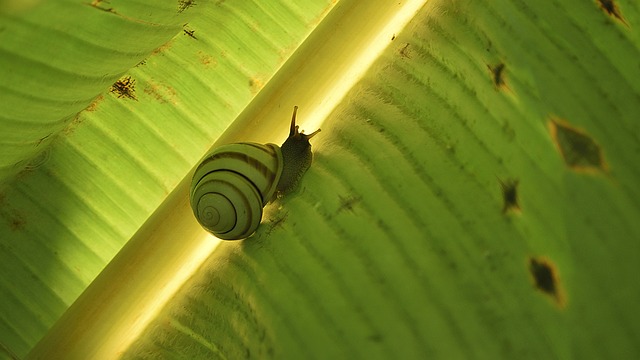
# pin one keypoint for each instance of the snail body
(234, 182)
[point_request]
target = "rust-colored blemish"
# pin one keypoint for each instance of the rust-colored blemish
(94, 104)
(578, 149)
(161, 92)
(101, 5)
(162, 48)
(207, 60)
(255, 85)
(125, 87)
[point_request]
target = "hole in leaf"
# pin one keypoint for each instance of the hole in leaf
(546, 280)
(579, 151)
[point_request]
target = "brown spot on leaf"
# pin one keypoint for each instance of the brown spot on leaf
(94, 104)
(102, 5)
(347, 203)
(14, 218)
(207, 60)
(17, 222)
(255, 85)
(125, 87)
(611, 8)
(161, 92)
(510, 195)
(405, 52)
(579, 151)
(276, 222)
(185, 4)
(80, 117)
(546, 279)
(497, 75)
(163, 47)
(189, 32)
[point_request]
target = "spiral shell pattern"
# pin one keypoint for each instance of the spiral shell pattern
(231, 186)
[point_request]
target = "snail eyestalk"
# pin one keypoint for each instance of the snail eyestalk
(294, 128)
(310, 135)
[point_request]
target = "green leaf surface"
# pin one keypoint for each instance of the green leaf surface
(100, 173)
(56, 57)
(400, 244)
(473, 196)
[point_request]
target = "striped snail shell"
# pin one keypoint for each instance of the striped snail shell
(235, 181)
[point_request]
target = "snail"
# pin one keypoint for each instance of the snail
(234, 182)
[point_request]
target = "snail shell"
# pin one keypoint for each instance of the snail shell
(234, 182)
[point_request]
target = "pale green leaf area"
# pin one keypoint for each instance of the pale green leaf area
(399, 243)
(57, 56)
(77, 184)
